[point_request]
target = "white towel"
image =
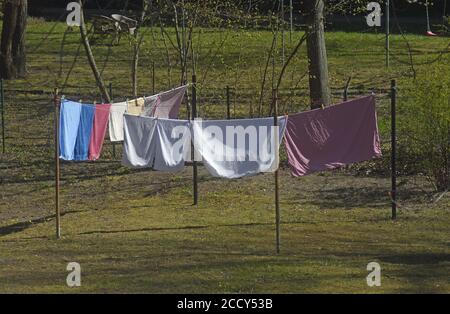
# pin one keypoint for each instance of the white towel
(161, 144)
(116, 121)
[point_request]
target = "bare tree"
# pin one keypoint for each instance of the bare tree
(13, 53)
(137, 42)
(91, 59)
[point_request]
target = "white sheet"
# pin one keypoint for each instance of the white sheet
(172, 144)
(237, 148)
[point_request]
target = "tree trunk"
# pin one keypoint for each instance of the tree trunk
(13, 54)
(317, 53)
(90, 56)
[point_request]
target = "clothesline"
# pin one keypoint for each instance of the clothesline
(165, 144)
(88, 105)
(159, 94)
(162, 105)
(315, 140)
(311, 120)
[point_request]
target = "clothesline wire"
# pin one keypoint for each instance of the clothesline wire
(96, 106)
(155, 95)
(219, 91)
(222, 98)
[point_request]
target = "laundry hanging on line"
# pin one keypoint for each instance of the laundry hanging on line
(160, 144)
(228, 148)
(173, 144)
(163, 105)
(169, 103)
(328, 138)
(116, 121)
(150, 104)
(82, 130)
(135, 106)
(237, 148)
(101, 119)
(81, 151)
(69, 121)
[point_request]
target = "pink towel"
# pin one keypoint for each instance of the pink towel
(101, 119)
(328, 138)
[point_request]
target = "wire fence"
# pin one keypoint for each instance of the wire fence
(212, 103)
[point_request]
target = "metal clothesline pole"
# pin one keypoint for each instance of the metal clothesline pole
(393, 149)
(277, 194)
(283, 43)
(291, 30)
(153, 77)
(57, 168)
(388, 22)
(444, 13)
(111, 96)
(194, 162)
(228, 103)
(3, 116)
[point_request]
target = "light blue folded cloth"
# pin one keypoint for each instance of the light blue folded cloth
(69, 122)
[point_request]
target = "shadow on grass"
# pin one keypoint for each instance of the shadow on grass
(252, 224)
(142, 230)
(417, 259)
(21, 226)
(359, 197)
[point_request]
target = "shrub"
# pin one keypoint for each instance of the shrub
(424, 126)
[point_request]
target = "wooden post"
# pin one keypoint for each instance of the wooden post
(228, 103)
(387, 26)
(110, 92)
(3, 115)
(444, 17)
(111, 96)
(393, 149)
(283, 42)
(194, 162)
(291, 21)
(277, 196)
(347, 85)
(153, 78)
(428, 16)
(57, 170)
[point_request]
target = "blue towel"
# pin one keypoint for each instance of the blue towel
(69, 122)
(84, 132)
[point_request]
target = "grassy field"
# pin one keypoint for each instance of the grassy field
(136, 231)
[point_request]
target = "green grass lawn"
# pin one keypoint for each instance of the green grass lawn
(137, 231)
